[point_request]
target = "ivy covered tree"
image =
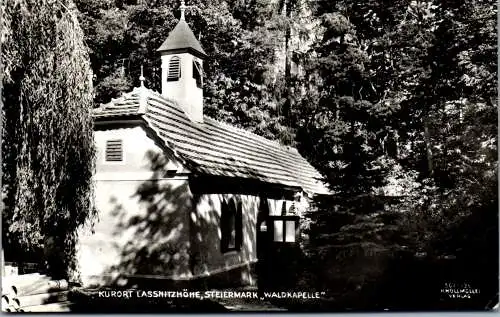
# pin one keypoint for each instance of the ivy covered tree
(47, 133)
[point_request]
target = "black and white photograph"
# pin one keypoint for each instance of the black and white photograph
(222, 156)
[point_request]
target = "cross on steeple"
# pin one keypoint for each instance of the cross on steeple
(183, 9)
(181, 53)
(141, 78)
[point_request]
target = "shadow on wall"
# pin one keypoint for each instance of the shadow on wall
(210, 251)
(253, 197)
(155, 243)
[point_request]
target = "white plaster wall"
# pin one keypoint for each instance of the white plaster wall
(142, 227)
(137, 148)
(206, 235)
(144, 217)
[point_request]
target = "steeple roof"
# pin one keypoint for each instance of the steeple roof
(181, 39)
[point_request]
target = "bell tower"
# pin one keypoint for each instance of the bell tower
(182, 68)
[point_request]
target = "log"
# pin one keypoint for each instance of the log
(7, 290)
(20, 281)
(25, 279)
(40, 287)
(8, 304)
(5, 301)
(21, 278)
(49, 308)
(42, 299)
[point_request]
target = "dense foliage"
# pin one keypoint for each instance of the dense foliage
(404, 104)
(47, 133)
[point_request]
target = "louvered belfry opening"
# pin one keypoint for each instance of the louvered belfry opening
(174, 69)
(114, 151)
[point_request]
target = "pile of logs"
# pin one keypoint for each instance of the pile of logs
(34, 293)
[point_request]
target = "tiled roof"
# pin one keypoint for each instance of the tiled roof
(181, 37)
(126, 105)
(214, 147)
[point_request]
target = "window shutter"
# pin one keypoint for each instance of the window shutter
(174, 69)
(198, 74)
(239, 226)
(232, 224)
(283, 209)
(114, 151)
(224, 226)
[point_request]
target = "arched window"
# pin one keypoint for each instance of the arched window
(198, 74)
(231, 226)
(174, 69)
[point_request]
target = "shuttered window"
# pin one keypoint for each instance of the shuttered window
(174, 69)
(114, 151)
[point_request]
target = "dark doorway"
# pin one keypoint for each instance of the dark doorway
(277, 249)
(263, 246)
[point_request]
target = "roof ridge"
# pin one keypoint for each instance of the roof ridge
(273, 142)
(139, 91)
(157, 94)
(173, 102)
(123, 97)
